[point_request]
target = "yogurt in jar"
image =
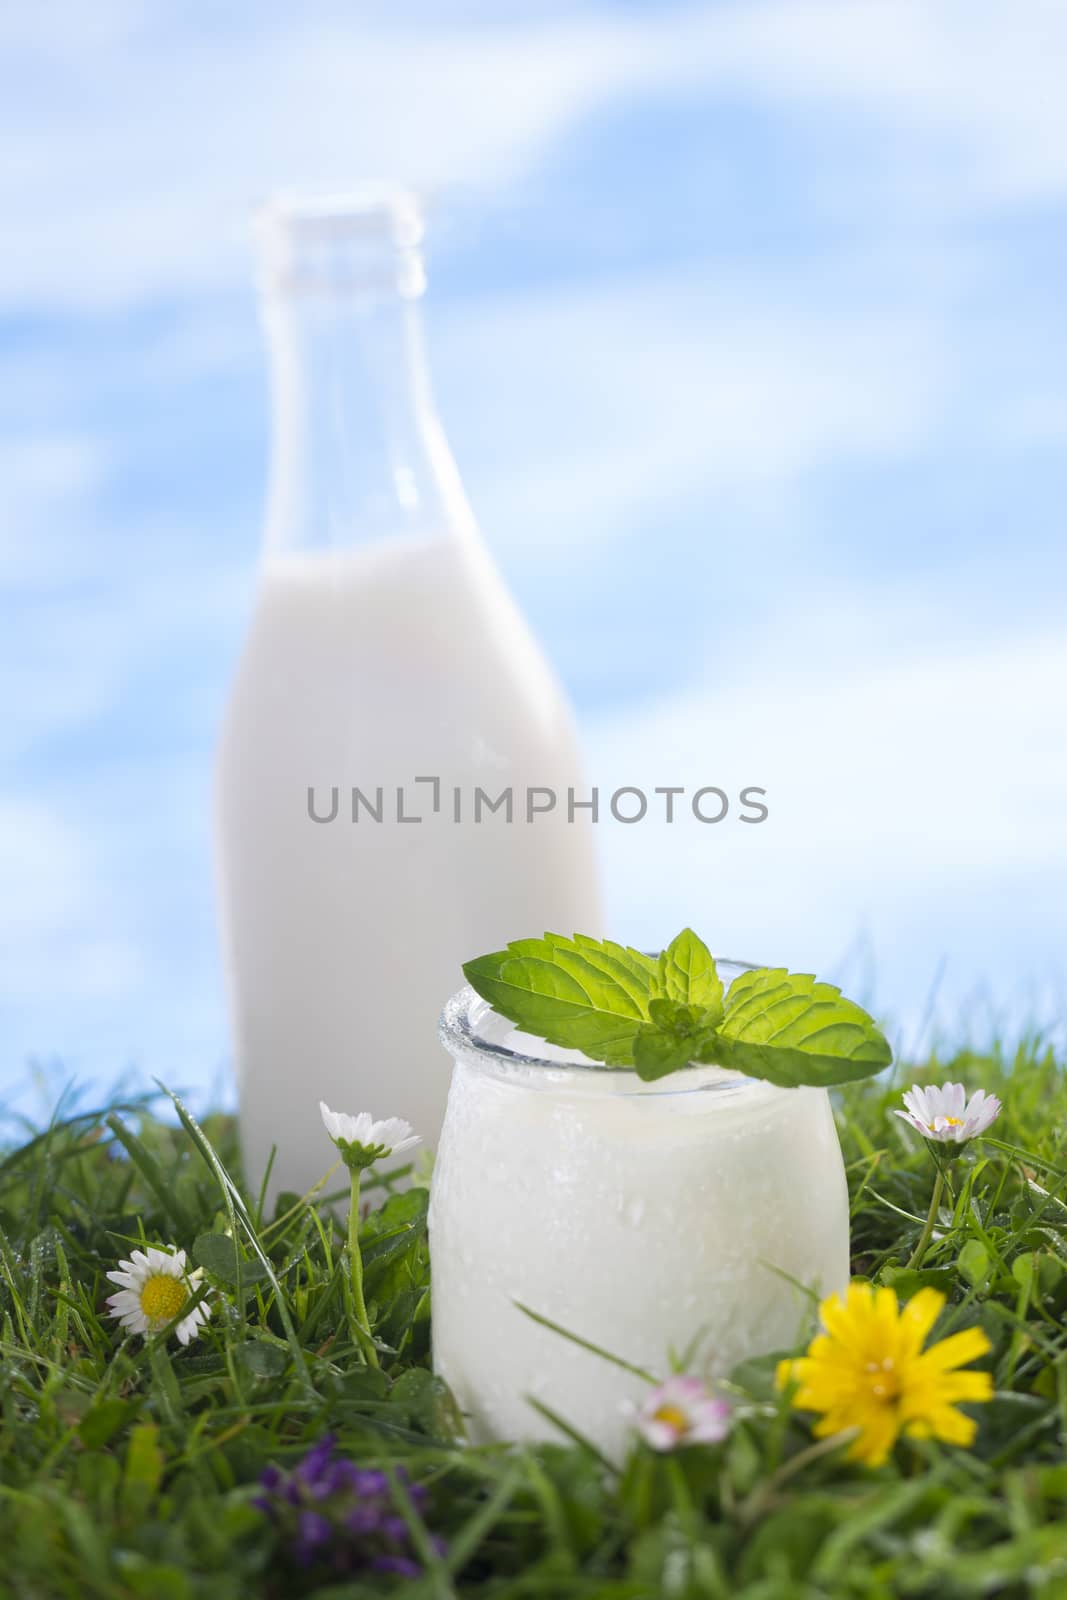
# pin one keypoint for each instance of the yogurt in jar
(659, 1221)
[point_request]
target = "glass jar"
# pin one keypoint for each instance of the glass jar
(681, 1219)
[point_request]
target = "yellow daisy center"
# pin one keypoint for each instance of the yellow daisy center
(673, 1416)
(162, 1297)
(952, 1122)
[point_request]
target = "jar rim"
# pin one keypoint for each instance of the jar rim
(460, 1033)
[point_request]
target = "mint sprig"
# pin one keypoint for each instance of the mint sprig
(656, 1016)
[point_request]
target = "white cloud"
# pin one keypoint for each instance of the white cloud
(43, 475)
(58, 931)
(157, 133)
(974, 73)
(72, 659)
(918, 800)
(634, 395)
(936, 755)
(152, 152)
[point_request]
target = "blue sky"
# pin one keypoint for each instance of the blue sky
(748, 329)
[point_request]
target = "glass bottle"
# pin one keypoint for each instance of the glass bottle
(388, 696)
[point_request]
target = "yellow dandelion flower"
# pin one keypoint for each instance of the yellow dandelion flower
(868, 1370)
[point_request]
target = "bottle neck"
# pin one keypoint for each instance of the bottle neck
(358, 454)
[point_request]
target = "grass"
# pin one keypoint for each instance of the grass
(129, 1467)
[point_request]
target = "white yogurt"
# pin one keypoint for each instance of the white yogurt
(645, 1218)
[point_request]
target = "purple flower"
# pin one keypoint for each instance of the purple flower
(315, 1463)
(330, 1478)
(314, 1533)
(403, 1566)
(365, 1482)
(363, 1519)
(314, 1530)
(331, 1512)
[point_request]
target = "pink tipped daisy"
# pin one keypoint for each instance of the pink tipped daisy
(946, 1115)
(683, 1411)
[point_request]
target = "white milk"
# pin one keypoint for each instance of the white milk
(645, 1218)
(384, 648)
(370, 668)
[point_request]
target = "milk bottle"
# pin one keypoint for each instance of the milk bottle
(387, 678)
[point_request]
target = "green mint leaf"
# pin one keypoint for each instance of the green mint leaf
(657, 1053)
(672, 1038)
(581, 994)
(631, 969)
(686, 971)
(674, 1016)
(792, 1030)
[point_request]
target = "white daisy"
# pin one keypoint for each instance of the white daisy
(154, 1286)
(683, 1411)
(946, 1115)
(362, 1141)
